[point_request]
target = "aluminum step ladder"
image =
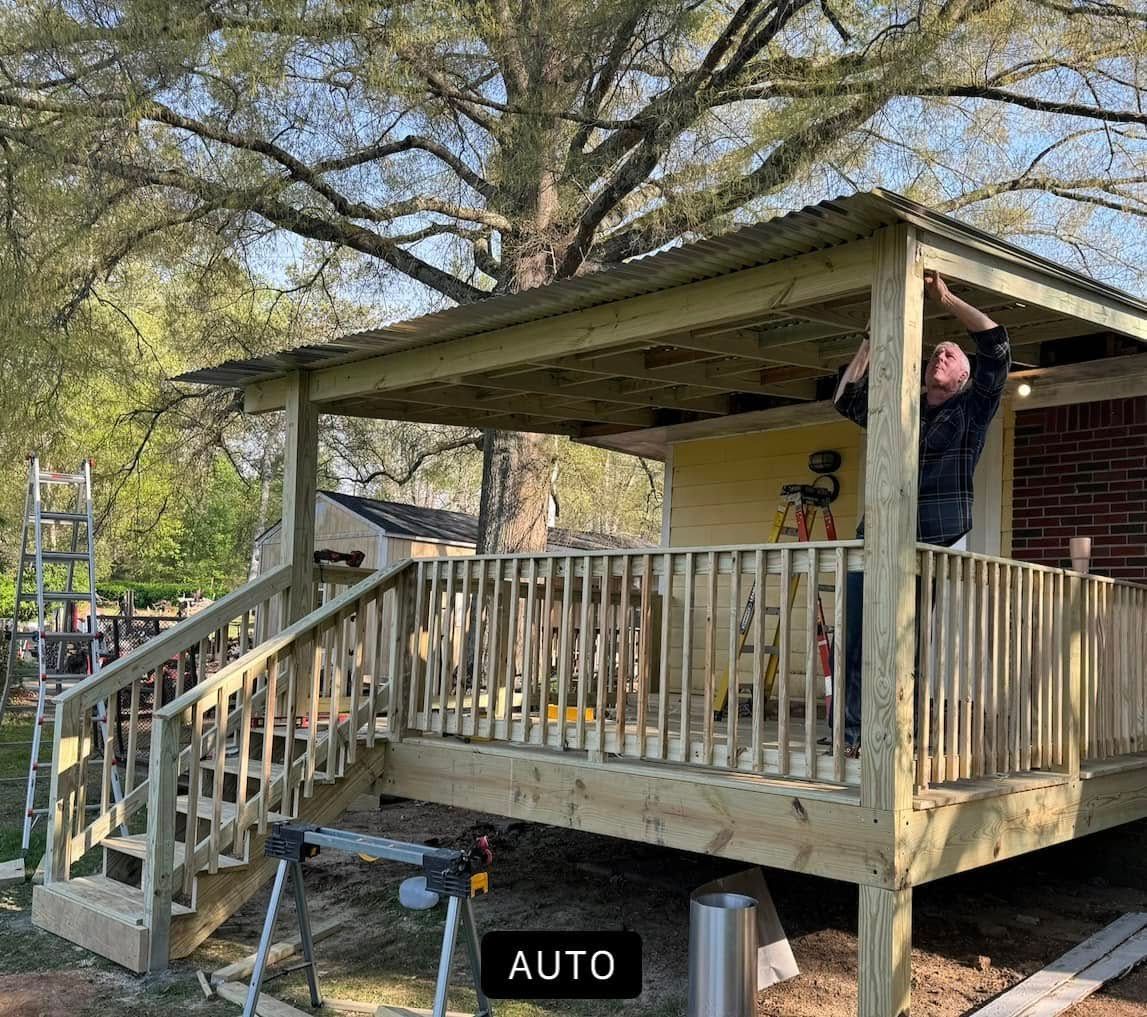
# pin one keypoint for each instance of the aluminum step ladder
(55, 502)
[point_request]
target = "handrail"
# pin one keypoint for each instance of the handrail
(279, 642)
(156, 651)
(302, 674)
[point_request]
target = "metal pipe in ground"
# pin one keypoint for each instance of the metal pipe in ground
(722, 955)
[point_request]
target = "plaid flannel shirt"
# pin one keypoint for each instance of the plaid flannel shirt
(952, 437)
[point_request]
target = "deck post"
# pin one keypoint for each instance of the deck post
(885, 968)
(890, 603)
(300, 467)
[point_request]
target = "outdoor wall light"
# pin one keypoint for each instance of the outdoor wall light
(1024, 390)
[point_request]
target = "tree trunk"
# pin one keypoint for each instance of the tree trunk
(515, 492)
(266, 475)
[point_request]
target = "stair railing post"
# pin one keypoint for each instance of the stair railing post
(159, 861)
(62, 794)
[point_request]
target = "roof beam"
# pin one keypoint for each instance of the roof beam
(638, 367)
(421, 413)
(726, 300)
(601, 390)
(982, 268)
(466, 397)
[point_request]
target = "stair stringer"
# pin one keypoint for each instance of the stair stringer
(219, 896)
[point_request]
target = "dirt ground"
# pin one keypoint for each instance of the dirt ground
(974, 935)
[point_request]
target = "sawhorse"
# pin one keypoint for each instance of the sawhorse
(457, 875)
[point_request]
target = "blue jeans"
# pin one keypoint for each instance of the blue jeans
(854, 656)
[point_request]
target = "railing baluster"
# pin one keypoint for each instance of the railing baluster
(733, 696)
(687, 656)
(358, 622)
(710, 659)
(811, 659)
(133, 729)
(940, 765)
(111, 707)
(645, 652)
(446, 651)
(839, 664)
(584, 650)
(968, 658)
(270, 706)
(433, 645)
(319, 662)
(602, 648)
(565, 650)
(545, 647)
(924, 670)
(218, 778)
(529, 648)
(497, 631)
(336, 665)
(474, 649)
(513, 594)
(782, 650)
(243, 740)
(624, 655)
(664, 673)
(194, 779)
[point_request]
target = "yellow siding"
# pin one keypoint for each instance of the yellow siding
(726, 491)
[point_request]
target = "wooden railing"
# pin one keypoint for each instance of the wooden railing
(626, 653)
(1114, 685)
(1023, 667)
(256, 737)
(131, 690)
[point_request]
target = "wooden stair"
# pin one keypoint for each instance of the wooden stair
(105, 913)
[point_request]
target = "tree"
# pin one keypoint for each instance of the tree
(478, 146)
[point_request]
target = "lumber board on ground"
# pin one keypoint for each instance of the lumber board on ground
(1128, 955)
(278, 951)
(1046, 983)
(267, 1006)
(12, 873)
(383, 1009)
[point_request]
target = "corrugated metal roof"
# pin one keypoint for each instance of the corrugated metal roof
(815, 227)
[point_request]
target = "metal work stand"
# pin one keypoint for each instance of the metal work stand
(456, 874)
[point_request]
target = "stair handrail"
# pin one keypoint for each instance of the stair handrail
(68, 835)
(152, 654)
(168, 757)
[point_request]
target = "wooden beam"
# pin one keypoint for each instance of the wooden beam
(885, 948)
(653, 443)
(736, 297)
(471, 397)
(890, 522)
(749, 346)
(782, 824)
(600, 390)
(955, 838)
(383, 409)
(1019, 282)
(300, 487)
(1092, 381)
(642, 367)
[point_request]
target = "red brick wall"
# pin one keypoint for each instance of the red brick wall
(1082, 471)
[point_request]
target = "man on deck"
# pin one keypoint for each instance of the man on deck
(958, 404)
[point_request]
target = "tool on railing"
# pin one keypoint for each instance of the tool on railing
(326, 556)
(62, 668)
(806, 499)
(458, 875)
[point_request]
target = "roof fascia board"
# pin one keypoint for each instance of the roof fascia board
(728, 299)
(979, 265)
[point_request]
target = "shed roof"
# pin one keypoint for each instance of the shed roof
(826, 224)
(416, 522)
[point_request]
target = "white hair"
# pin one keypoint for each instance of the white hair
(967, 382)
